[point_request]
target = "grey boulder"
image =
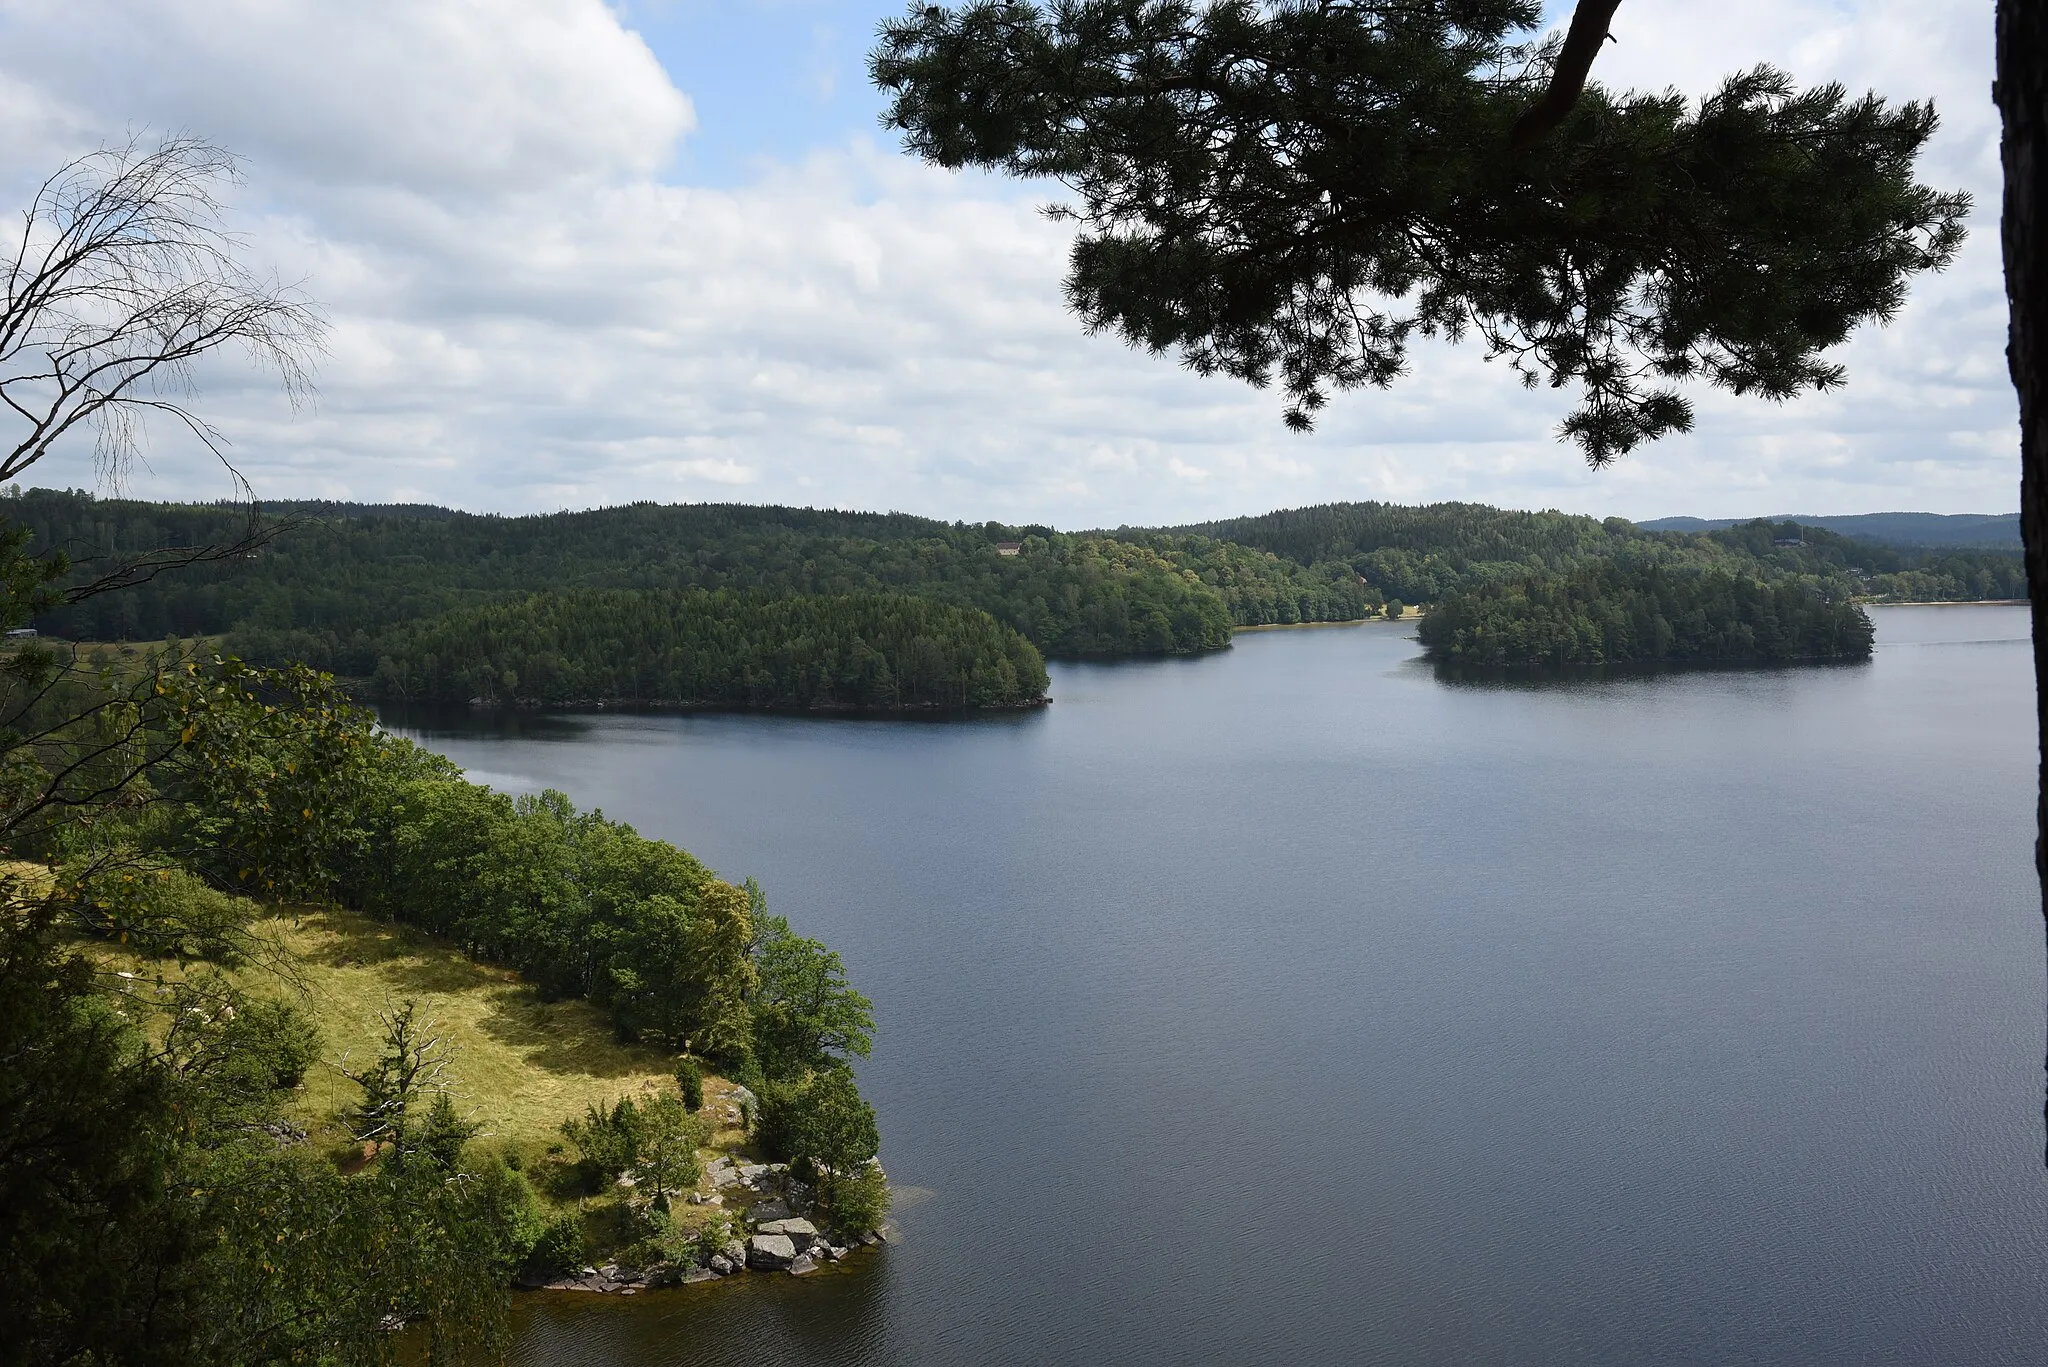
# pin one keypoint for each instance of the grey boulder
(797, 1230)
(770, 1252)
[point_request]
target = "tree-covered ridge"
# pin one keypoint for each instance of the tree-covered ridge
(1259, 587)
(1938, 574)
(1972, 531)
(328, 591)
(342, 579)
(1421, 554)
(1614, 612)
(720, 648)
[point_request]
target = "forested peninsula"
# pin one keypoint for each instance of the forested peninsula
(698, 648)
(315, 1048)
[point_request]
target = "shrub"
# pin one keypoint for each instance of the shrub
(819, 1120)
(610, 1139)
(690, 1077)
(667, 1158)
(154, 907)
(279, 1039)
(858, 1200)
(560, 1245)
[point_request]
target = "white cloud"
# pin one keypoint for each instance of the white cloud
(526, 316)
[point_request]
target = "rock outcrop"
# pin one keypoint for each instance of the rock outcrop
(770, 1252)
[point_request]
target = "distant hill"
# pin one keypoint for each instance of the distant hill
(1987, 531)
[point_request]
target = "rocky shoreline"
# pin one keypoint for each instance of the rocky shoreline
(772, 1233)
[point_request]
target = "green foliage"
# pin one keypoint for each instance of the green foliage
(670, 1135)
(442, 1134)
(690, 1078)
(1605, 612)
(1911, 574)
(584, 907)
(152, 905)
(329, 592)
(819, 1120)
(711, 1237)
(560, 1247)
(29, 584)
(805, 1015)
(716, 649)
(610, 1139)
(266, 765)
(234, 1053)
(1395, 609)
(858, 1198)
(146, 1215)
(404, 1107)
(1422, 554)
(1301, 188)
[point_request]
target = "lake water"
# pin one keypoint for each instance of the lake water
(1291, 1004)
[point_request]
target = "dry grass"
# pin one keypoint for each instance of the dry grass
(519, 1066)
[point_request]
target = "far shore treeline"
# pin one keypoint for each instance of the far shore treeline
(423, 602)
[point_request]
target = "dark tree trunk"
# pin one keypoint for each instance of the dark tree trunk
(1582, 43)
(2022, 93)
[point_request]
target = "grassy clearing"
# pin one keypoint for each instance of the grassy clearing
(520, 1065)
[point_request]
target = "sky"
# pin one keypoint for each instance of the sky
(575, 254)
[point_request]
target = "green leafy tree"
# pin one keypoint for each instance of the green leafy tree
(1300, 188)
(267, 763)
(805, 1014)
(667, 1163)
(147, 1214)
(858, 1198)
(822, 1123)
(820, 1119)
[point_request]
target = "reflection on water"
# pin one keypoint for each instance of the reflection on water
(428, 722)
(1288, 1004)
(1458, 674)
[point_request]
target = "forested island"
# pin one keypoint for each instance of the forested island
(719, 648)
(1610, 612)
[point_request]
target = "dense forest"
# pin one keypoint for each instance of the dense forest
(1615, 612)
(433, 603)
(341, 575)
(1422, 554)
(1976, 531)
(720, 648)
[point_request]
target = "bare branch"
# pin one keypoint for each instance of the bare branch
(124, 276)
